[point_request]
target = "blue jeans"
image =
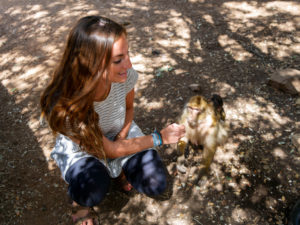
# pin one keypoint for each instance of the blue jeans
(89, 179)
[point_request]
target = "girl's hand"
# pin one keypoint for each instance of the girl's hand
(119, 137)
(172, 133)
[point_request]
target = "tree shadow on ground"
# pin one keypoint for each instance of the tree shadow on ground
(24, 171)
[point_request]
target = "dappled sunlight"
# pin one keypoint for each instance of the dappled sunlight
(225, 157)
(233, 48)
(290, 7)
(271, 203)
(27, 74)
(246, 10)
(250, 110)
(22, 83)
(138, 62)
(5, 58)
(34, 125)
(279, 153)
(37, 15)
(197, 45)
(32, 72)
(14, 11)
(168, 34)
(239, 215)
(226, 88)
(253, 9)
(243, 16)
(260, 192)
(3, 40)
(268, 136)
(149, 106)
(208, 19)
(50, 49)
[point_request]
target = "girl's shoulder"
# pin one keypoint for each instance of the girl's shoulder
(132, 74)
(132, 77)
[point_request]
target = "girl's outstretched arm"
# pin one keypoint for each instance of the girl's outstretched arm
(114, 149)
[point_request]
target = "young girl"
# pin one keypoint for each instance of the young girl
(89, 104)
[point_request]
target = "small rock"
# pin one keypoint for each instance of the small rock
(287, 80)
(195, 87)
(181, 168)
(181, 159)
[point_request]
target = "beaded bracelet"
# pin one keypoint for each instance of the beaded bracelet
(157, 139)
(159, 136)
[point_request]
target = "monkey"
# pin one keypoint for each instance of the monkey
(205, 127)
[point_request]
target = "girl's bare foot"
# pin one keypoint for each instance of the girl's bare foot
(83, 215)
(125, 185)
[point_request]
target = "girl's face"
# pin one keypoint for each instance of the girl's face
(120, 61)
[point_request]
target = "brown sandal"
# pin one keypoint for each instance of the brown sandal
(91, 214)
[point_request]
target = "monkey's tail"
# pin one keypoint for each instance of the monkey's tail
(217, 101)
(218, 106)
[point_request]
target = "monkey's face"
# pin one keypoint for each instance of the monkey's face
(192, 117)
(195, 109)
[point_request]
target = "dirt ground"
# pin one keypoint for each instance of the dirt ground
(228, 47)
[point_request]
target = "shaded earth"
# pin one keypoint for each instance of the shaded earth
(228, 47)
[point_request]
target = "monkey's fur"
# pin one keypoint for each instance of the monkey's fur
(204, 122)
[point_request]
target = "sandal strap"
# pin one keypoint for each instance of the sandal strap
(92, 214)
(79, 207)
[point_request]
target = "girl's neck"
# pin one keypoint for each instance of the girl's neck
(102, 91)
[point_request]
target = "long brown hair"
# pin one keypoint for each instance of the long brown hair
(67, 102)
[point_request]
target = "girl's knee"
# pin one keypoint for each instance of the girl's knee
(146, 172)
(89, 197)
(156, 186)
(88, 182)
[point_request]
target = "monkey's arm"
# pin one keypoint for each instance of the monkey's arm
(208, 155)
